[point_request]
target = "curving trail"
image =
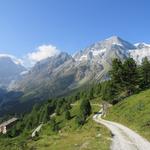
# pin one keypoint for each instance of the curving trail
(123, 137)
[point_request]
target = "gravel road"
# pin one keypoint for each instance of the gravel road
(123, 138)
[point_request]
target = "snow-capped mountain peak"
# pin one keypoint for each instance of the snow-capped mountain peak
(10, 70)
(12, 58)
(142, 45)
(60, 73)
(115, 40)
(99, 50)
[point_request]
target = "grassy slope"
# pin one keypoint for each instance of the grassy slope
(133, 112)
(18, 143)
(91, 136)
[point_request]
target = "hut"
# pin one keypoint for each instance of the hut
(7, 125)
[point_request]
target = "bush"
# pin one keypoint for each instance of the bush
(67, 115)
(80, 120)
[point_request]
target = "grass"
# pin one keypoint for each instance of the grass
(133, 112)
(91, 136)
(18, 143)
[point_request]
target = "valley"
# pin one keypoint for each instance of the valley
(58, 75)
(56, 99)
(74, 75)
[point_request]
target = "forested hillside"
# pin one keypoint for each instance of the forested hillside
(70, 115)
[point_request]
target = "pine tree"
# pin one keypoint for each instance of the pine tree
(91, 93)
(124, 75)
(145, 73)
(85, 111)
(109, 91)
(85, 107)
(34, 116)
(116, 73)
(130, 75)
(46, 116)
(98, 89)
(54, 125)
(80, 119)
(57, 110)
(67, 115)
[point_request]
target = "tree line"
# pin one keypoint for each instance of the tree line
(126, 78)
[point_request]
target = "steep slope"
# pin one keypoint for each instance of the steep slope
(133, 112)
(90, 136)
(47, 78)
(9, 71)
(102, 53)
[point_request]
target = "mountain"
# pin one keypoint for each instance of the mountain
(47, 78)
(61, 73)
(103, 48)
(10, 70)
(58, 75)
(102, 53)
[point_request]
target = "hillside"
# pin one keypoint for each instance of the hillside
(70, 136)
(63, 73)
(133, 112)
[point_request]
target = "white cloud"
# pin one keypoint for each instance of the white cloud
(42, 52)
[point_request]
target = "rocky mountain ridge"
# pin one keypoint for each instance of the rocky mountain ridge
(60, 73)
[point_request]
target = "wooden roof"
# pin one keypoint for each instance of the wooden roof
(8, 121)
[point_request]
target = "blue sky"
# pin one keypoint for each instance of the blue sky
(70, 25)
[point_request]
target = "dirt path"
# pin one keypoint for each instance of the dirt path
(123, 137)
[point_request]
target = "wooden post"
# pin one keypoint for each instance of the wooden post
(104, 108)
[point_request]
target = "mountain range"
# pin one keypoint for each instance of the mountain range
(56, 75)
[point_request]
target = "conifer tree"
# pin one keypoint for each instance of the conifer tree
(91, 93)
(109, 91)
(67, 115)
(85, 107)
(116, 73)
(130, 75)
(145, 73)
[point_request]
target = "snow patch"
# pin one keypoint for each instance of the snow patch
(142, 44)
(139, 54)
(98, 52)
(83, 57)
(24, 73)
